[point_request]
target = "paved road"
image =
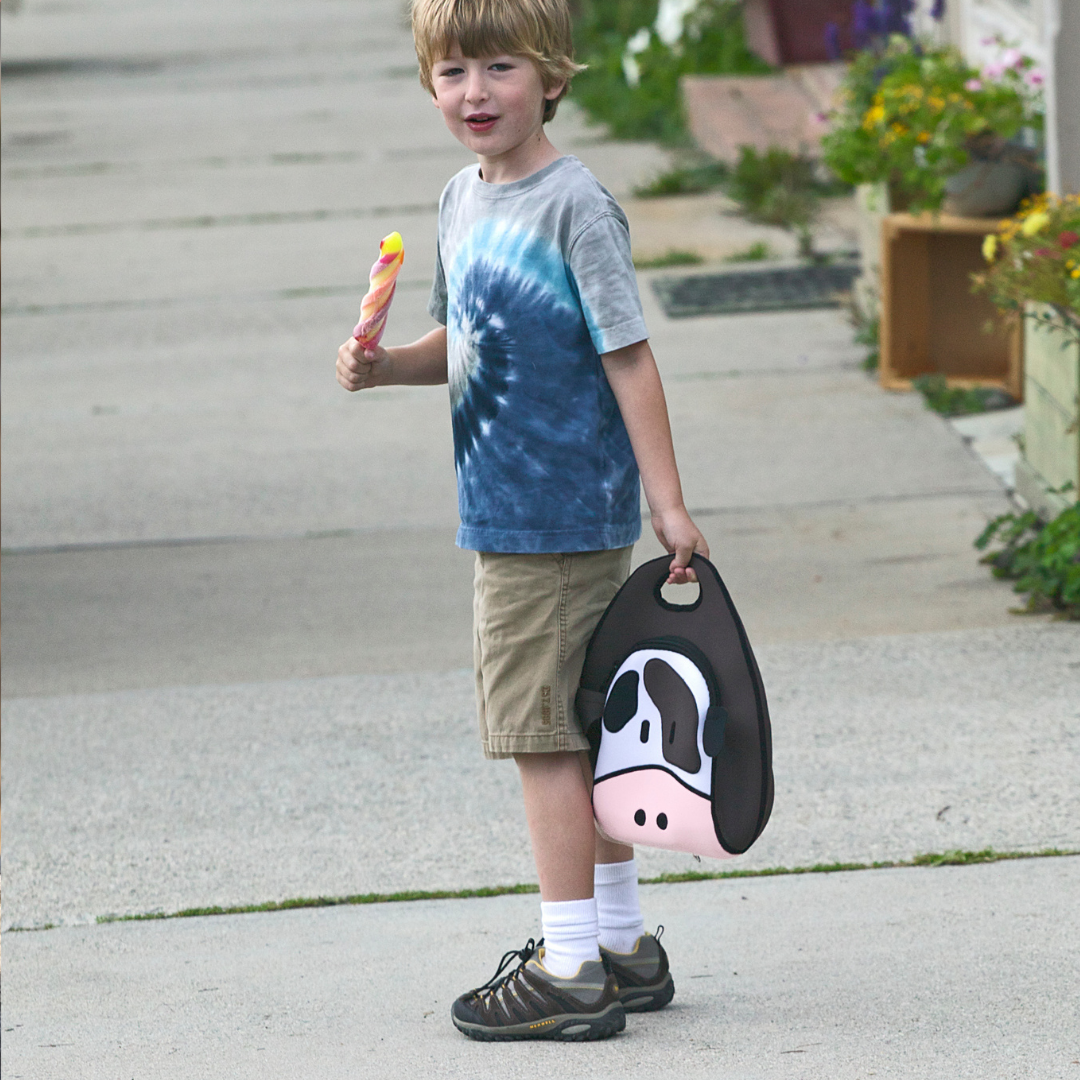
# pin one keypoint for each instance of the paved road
(236, 627)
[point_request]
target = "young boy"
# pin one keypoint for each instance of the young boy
(556, 405)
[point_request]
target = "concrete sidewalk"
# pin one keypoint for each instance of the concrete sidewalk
(235, 626)
(955, 973)
(165, 800)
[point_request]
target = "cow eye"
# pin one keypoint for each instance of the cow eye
(622, 701)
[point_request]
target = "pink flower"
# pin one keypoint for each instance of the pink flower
(974, 85)
(993, 71)
(1012, 58)
(987, 41)
(1035, 77)
(1068, 238)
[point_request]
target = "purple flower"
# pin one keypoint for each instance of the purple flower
(865, 24)
(895, 16)
(937, 11)
(994, 71)
(974, 85)
(1012, 58)
(832, 41)
(1035, 77)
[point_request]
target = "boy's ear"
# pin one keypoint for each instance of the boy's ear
(554, 91)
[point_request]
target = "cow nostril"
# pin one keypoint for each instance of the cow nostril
(639, 817)
(661, 820)
(644, 730)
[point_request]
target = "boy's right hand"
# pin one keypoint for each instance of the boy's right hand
(359, 368)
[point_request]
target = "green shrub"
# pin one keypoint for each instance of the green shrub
(758, 251)
(780, 188)
(712, 43)
(692, 179)
(1044, 560)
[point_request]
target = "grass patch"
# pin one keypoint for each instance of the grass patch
(959, 401)
(673, 257)
(758, 251)
(945, 858)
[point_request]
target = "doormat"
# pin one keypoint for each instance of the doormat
(778, 288)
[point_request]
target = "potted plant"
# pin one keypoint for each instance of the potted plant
(915, 118)
(1034, 271)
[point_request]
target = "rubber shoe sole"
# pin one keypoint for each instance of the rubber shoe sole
(570, 1027)
(647, 998)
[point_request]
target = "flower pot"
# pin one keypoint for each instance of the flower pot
(1051, 457)
(985, 189)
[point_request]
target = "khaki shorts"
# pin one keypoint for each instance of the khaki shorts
(533, 616)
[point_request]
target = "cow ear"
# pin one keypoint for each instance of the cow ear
(712, 735)
(621, 702)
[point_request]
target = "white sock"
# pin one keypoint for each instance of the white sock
(570, 931)
(617, 906)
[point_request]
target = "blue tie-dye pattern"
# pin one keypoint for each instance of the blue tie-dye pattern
(539, 443)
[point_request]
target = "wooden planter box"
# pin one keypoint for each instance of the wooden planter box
(931, 322)
(1051, 455)
(793, 31)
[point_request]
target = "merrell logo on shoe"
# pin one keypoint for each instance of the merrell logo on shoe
(545, 706)
(543, 1023)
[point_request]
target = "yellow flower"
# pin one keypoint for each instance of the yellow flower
(989, 247)
(923, 137)
(874, 115)
(899, 129)
(1035, 223)
(935, 103)
(1075, 273)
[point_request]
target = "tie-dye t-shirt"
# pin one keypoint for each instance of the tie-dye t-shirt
(534, 281)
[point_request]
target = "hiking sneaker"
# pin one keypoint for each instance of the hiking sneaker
(530, 1002)
(645, 982)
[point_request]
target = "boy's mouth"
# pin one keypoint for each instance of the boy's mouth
(480, 121)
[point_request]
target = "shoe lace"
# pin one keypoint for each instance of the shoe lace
(498, 980)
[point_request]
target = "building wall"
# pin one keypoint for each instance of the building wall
(1048, 31)
(1063, 158)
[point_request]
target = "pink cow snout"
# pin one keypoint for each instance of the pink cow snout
(649, 806)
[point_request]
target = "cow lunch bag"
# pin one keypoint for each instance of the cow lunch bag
(673, 705)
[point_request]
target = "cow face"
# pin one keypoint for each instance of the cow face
(653, 777)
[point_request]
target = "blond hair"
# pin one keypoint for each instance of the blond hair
(537, 29)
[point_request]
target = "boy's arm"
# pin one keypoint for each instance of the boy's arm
(423, 363)
(636, 384)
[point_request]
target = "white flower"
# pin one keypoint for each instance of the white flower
(671, 18)
(637, 44)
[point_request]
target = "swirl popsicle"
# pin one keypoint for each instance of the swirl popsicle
(376, 304)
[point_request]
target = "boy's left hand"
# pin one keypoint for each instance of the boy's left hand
(677, 532)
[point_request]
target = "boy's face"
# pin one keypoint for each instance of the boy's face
(492, 104)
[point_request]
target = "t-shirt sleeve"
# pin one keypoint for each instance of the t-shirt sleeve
(437, 304)
(607, 286)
